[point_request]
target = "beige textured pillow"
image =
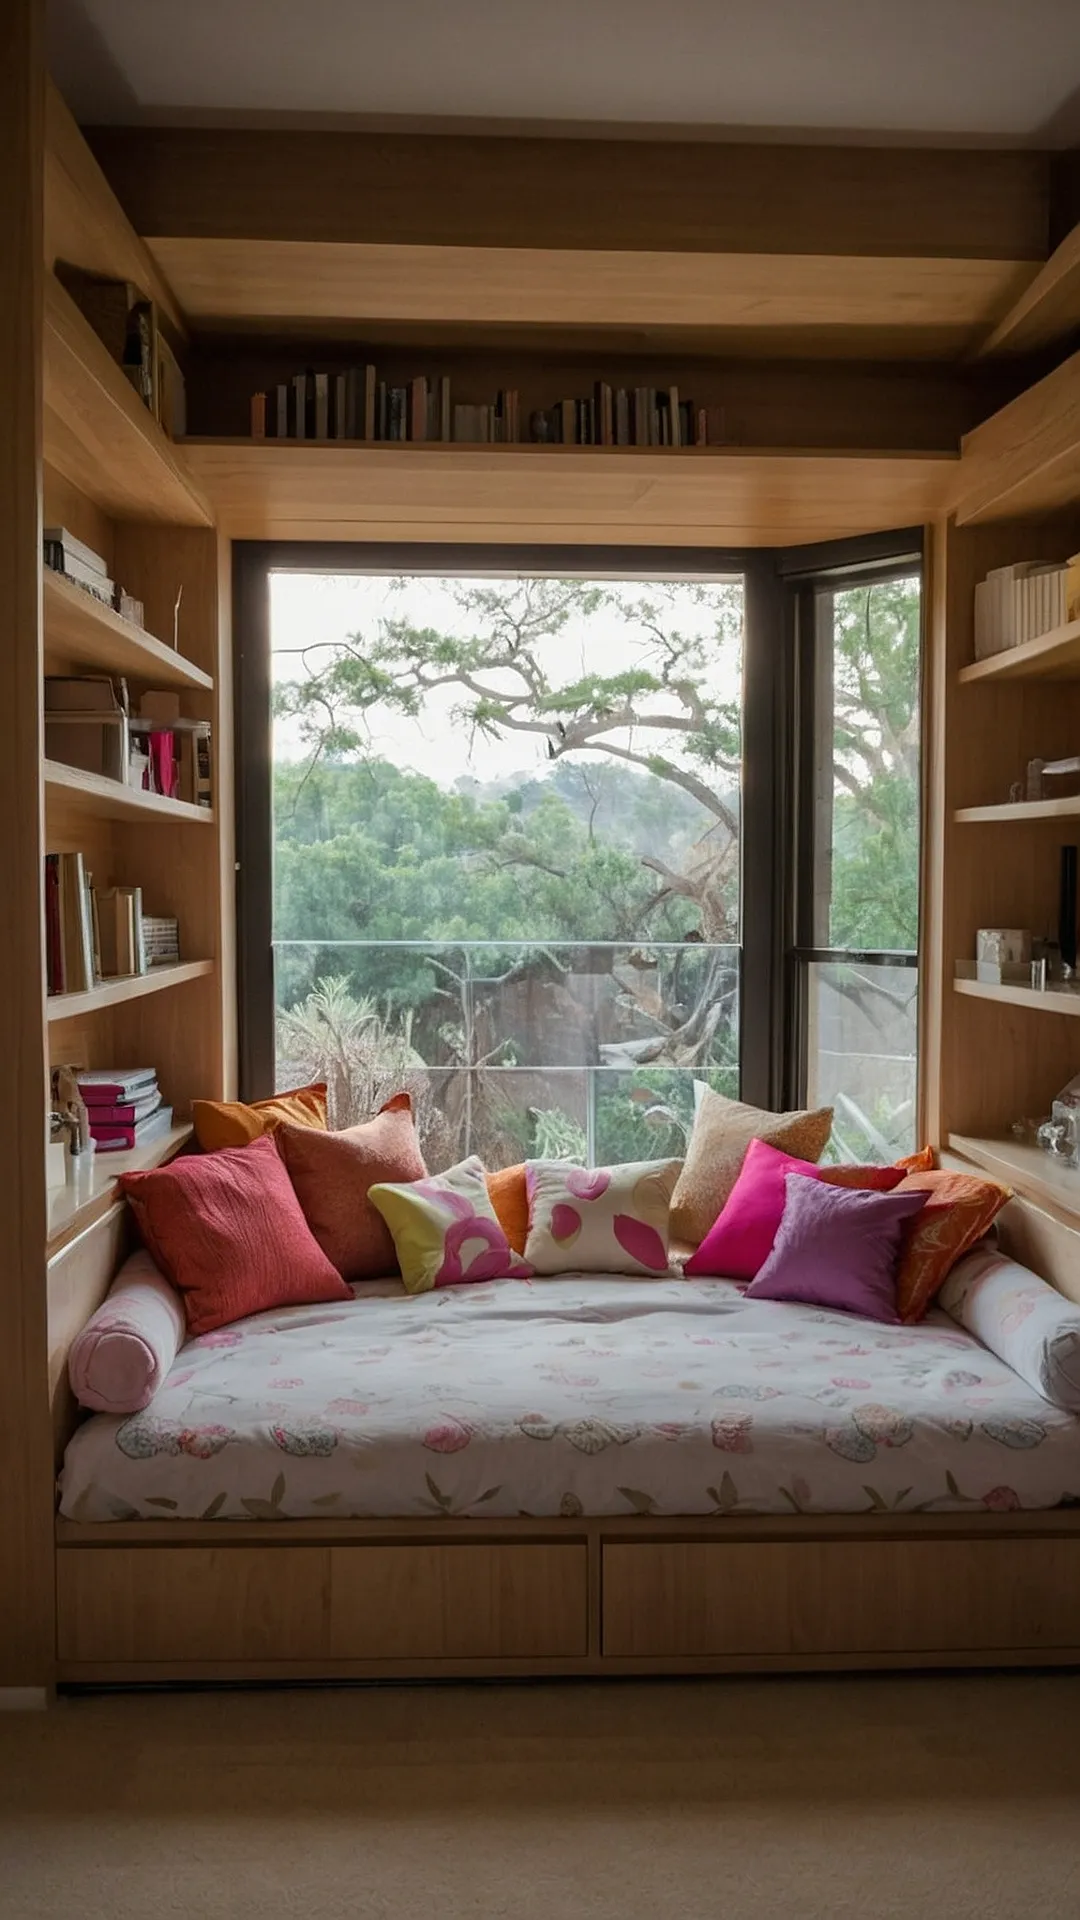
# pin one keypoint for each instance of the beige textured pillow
(723, 1129)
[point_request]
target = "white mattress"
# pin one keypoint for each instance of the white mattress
(582, 1395)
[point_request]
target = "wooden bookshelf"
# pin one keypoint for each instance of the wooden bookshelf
(80, 631)
(93, 794)
(76, 1206)
(1049, 307)
(114, 993)
(1014, 812)
(100, 436)
(693, 496)
(1026, 1168)
(1024, 460)
(1052, 656)
(1054, 1000)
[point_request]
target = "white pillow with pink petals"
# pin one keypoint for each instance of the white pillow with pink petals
(599, 1219)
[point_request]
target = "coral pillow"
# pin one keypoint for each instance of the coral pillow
(599, 1219)
(232, 1123)
(445, 1230)
(742, 1239)
(924, 1161)
(510, 1198)
(228, 1231)
(332, 1174)
(722, 1132)
(837, 1247)
(959, 1209)
(118, 1361)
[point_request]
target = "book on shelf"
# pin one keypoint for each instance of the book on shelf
(86, 723)
(1018, 603)
(69, 930)
(355, 404)
(120, 931)
(128, 326)
(161, 940)
(125, 1113)
(105, 1086)
(108, 1137)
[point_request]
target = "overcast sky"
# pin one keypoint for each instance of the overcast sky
(314, 609)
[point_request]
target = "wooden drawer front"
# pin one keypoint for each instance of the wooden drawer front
(685, 1600)
(192, 1603)
(465, 1603)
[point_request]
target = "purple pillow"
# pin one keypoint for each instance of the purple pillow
(837, 1247)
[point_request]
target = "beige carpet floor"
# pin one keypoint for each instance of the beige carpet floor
(898, 1796)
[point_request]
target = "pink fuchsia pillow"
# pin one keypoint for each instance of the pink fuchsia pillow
(741, 1240)
(446, 1231)
(599, 1219)
(228, 1231)
(126, 1348)
(838, 1247)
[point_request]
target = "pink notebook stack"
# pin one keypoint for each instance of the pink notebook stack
(125, 1107)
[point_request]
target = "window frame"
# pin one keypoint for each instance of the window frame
(771, 851)
(809, 574)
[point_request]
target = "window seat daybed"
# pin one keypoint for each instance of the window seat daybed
(580, 1396)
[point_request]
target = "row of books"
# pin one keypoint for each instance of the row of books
(128, 325)
(80, 564)
(1018, 603)
(99, 933)
(88, 724)
(124, 1106)
(357, 405)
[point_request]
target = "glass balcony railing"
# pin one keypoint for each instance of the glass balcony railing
(511, 1050)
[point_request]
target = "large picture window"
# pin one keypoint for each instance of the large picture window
(506, 854)
(556, 844)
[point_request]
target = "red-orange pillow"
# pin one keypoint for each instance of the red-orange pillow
(228, 1231)
(233, 1123)
(959, 1211)
(331, 1174)
(509, 1197)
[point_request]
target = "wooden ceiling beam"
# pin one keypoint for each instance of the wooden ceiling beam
(506, 192)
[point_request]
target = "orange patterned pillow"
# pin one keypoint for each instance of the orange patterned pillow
(960, 1209)
(509, 1197)
(235, 1123)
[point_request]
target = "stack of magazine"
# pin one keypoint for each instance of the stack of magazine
(125, 1107)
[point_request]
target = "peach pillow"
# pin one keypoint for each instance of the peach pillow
(960, 1209)
(510, 1200)
(922, 1162)
(235, 1123)
(332, 1174)
(227, 1230)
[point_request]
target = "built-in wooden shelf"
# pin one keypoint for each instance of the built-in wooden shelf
(666, 496)
(1066, 808)
(1053, 656)
(111, 800)
(1024, 1167)
(1024, 460)
(98, 433)
(75, 1207)
(1048, 309)
(1054, 1000)
(82, 630)
(113, 993)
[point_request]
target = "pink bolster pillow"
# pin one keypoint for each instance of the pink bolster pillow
(126, 1348)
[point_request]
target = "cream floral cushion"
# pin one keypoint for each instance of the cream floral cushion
(723, 1130)
(445, 1230)
(599, 1219)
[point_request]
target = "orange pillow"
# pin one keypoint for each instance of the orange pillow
(508, 1196)
(331, 1174)
(227, 1230)
(922, 1162)
(960, 1209)
(235, 1123)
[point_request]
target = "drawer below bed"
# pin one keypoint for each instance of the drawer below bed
(693, 1599)
(192, 1605)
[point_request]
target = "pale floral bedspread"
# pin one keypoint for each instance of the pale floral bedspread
(582, 1395)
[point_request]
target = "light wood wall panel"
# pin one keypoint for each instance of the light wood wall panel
(26, 1606)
